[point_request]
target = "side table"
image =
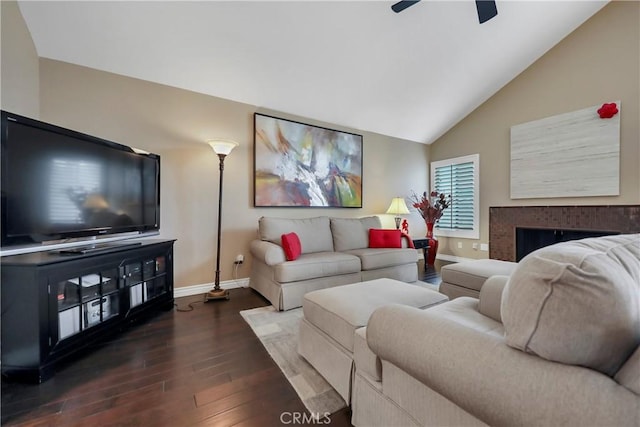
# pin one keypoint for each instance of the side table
(422, 243)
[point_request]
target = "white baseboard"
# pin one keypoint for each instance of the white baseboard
(186, 291)
(453, 258)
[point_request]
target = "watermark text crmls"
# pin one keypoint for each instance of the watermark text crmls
(304, 418)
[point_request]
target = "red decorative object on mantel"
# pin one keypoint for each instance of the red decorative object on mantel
(608, 110)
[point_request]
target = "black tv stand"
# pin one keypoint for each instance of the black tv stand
(99, 248)
(55, 305)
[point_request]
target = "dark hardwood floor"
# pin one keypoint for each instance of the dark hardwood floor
(431, 273)
(201, 367)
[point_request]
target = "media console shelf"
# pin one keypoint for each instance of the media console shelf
(55, 304)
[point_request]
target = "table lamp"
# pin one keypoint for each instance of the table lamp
(398, 207)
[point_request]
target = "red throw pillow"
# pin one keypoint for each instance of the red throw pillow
(291, 245)
(384, 238)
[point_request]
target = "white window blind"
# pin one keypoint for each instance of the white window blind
(459, 178)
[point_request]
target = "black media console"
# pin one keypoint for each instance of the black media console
(55, 304)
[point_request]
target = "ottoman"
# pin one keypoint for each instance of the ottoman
(333, 315)
(464, 279)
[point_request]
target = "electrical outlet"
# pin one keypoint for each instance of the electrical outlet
(239, 259)
(484, 247)
(474, 246)
(459, 245)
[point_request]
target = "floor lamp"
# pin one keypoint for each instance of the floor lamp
(222, 147)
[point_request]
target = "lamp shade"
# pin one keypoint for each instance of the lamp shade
(222, 146)
(398, 207)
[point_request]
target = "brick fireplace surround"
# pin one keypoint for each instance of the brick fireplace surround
(504, 220)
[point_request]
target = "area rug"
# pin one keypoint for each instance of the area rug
(278, 332)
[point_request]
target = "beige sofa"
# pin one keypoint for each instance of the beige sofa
(556, 343)
(335, 251)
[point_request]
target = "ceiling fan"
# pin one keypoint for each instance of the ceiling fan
(486, 8)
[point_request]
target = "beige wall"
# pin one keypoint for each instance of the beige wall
(175, 123)
(19, 91)
(597, 63)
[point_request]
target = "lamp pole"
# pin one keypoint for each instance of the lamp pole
(222, 148)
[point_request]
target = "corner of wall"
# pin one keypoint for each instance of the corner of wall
(19, 63)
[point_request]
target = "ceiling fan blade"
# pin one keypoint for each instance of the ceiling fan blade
(486, 10)
(402, 5)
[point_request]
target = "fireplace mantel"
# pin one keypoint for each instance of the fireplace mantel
(504, 220)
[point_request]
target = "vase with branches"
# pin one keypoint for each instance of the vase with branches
(430, 206)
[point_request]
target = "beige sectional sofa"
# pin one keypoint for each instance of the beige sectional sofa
(335, 251)
(555, 343)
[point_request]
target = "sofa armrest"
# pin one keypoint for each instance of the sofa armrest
(404, 242)
(498, 384)
(491, 297)
(267, 252)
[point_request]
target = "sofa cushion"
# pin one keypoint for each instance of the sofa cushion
(379, 238)
(352, 233)
(291, 246)
(375, 258)
(312, 266)
(577, 302)
(314, 233)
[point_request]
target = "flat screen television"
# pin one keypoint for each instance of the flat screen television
(59, 184)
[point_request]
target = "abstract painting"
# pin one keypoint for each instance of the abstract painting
(300, 165)
(575, 154)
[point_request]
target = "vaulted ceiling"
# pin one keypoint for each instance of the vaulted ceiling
(411, 75)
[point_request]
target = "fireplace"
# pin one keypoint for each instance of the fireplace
(571, 221)
(530, 239)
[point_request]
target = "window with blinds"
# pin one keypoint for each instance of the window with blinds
(458, 177)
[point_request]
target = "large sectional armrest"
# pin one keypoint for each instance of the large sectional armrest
(491, 297)
(498, 384)
(267, 252)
